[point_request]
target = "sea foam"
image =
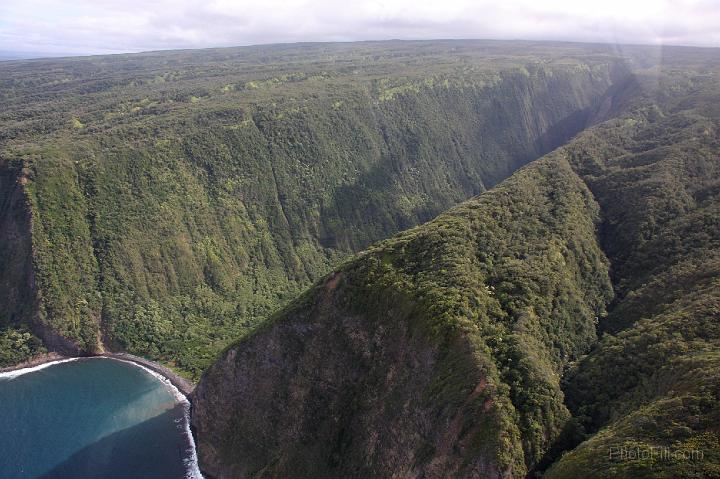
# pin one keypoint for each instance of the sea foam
(32, 369)
(191, 462)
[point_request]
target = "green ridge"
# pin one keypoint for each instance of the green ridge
(477, 312)
(651, 386)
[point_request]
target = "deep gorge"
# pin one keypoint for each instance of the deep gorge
(383, 259)
(171, 247)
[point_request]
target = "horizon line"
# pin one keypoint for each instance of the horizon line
(61, 56)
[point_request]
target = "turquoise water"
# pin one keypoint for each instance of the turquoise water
(91, 418)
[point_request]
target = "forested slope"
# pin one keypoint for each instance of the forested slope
(467, 347)
(650, 388)
(436, 353)
(176, 199)
(168, 203)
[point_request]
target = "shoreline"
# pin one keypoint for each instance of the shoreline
(183, 385)
(182, 389)
(35, 361)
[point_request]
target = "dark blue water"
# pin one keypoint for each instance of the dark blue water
(91, 418)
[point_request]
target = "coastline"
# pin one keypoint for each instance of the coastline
(183, 385)
(182, 389)
(38, 360)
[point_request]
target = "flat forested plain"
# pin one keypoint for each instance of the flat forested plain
(419, 259)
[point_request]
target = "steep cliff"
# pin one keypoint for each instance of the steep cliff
(647, 398)
(17, 282)
(17, 285)
(180, 198)
(436, 353)
(448, 350)
(22, 310)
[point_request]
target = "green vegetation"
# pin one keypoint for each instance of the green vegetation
(172, 205)
(206, 189)
(519, 274)
(651, 384)
(17, 345)
(501, 297)
(488, 301)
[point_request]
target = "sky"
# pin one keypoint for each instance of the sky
(55, 27)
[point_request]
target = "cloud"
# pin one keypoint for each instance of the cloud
(104, 26)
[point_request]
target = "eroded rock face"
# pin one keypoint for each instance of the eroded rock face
(331, 394)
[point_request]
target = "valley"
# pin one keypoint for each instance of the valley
(383, 259)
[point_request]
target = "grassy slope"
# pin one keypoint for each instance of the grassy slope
(179, 198)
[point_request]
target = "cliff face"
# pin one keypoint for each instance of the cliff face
(466, 347)
(184, 207)
(434, 354)
(18, 288)
(17, 284)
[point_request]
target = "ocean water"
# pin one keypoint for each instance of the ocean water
(93, 418)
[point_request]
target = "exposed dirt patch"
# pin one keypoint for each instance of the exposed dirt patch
(333, 281)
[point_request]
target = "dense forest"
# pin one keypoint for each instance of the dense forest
(563, 324)
(383, 259)
(174, 200)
